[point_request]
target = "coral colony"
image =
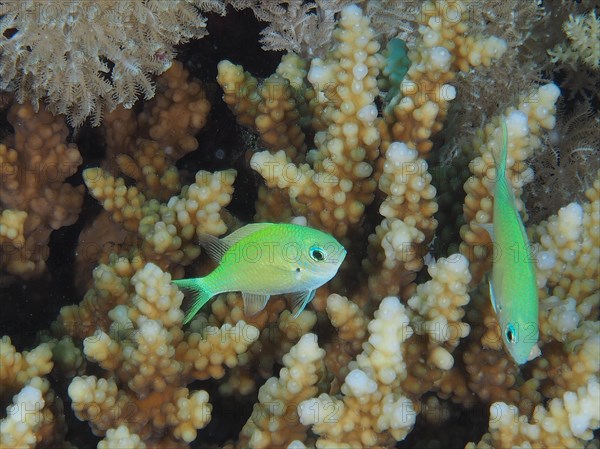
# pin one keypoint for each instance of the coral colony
(378, 128)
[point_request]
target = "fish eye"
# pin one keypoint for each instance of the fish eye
(511, 335)
(317, 253)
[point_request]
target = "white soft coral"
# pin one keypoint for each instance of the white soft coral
(85, 57)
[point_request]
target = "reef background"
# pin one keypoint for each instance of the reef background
(222, 132)
(372, 360)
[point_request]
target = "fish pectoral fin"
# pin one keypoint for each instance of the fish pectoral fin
(254, 303)
(534, 353)
(299, 301)
(497, 307)
(488, 227)
(215, 247)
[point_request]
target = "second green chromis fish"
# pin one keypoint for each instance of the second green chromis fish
(513, 288)
(264, 259)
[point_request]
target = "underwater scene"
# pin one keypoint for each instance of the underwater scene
(322, 224)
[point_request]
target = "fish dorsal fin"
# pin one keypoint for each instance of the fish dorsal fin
(300, 300)
(215, 247)
(254, 303)
(244, 232)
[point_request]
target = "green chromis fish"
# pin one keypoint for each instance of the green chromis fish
(513, 288)
(264, 259)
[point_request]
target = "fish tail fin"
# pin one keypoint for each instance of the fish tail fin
(500, 157)
(201, 294)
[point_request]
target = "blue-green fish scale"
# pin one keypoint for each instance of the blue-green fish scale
(274, 259)
(513, 283)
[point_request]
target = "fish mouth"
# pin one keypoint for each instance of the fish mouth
(524, 357)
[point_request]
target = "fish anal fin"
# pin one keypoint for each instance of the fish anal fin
(215, 247)
(254, 303)
(300, 300)
(244, 232)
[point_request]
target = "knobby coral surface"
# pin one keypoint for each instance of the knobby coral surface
(354, 136)
(35, 161)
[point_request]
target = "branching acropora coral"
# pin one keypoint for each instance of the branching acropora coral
(34, 198)
(34, 417)
(334, 186)
(397, 247)
(274, 421)
(150, 361)
(156, 214)
(539, 108)
(444, 48)
(566, 422)
(438, 306)
(371, 410)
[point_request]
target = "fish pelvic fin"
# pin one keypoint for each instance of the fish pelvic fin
(254, 303)
(200, 296)
(300, 300)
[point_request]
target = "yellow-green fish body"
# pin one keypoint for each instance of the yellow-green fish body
(513, 287)
(264, 259)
